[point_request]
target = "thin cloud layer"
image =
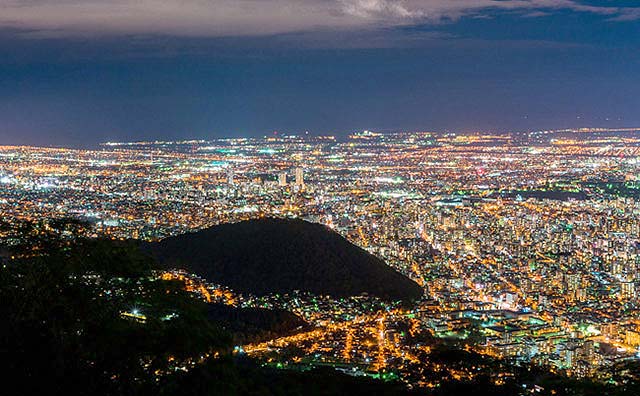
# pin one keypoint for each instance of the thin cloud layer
(218, 18)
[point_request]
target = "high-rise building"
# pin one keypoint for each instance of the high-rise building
(282, 179)
(627, 290)
(230, 176)
(299, 177)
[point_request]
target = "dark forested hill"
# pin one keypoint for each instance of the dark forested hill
(282, 255)
(255, 324)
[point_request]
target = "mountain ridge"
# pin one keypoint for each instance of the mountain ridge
(272, 255)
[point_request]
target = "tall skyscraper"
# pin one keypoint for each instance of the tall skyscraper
(282, 179)
(299, 177)
(230, 176)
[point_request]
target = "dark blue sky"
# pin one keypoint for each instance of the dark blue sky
(422, 65)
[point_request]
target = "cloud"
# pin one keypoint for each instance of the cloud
(219, 18)
(536, 14)
(631, 14)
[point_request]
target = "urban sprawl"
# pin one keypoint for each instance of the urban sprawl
(527, 244)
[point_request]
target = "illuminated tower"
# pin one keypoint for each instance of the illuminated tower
(230, 176)
(299, 177)
(282, 179)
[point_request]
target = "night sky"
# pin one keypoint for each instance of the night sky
(79, 72)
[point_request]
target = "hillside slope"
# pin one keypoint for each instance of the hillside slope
(281, 255)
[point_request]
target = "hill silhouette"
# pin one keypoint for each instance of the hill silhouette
(282, 255)
(248, 325)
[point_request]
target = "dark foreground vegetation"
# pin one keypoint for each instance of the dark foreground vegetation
(247, 325)
(92, 318)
